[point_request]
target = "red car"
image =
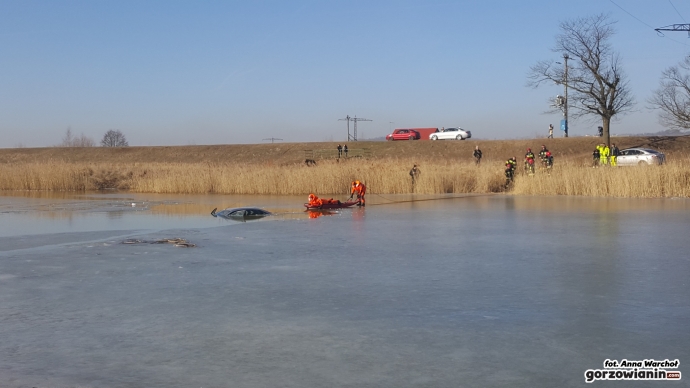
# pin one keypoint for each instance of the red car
(403, 134)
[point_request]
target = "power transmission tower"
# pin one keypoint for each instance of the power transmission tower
(675, 27)
(355, 119)
(272, 139)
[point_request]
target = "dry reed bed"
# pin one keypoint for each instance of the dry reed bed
(58, 176)
(329, 177)
(384, 176)
(670, 180)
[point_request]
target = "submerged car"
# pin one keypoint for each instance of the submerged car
(451, 134)
(403, 134)
(640, 157)
(241, 213)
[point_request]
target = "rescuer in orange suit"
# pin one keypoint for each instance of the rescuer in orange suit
(315, 201)
(359, 188)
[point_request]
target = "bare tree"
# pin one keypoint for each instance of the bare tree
(70, 140)
(67, 139)
(596, 81)
(84, 141)
(114, 138)
(673, 96)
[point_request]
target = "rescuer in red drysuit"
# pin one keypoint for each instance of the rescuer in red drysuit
(359, 188)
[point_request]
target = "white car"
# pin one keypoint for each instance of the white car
(451, 134)
(640, 157)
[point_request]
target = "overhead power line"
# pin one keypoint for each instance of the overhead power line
(674, 7)
(631, 15)
(658, 30)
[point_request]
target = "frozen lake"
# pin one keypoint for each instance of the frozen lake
(474, 292)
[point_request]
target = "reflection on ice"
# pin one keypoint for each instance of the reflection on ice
(319, 213)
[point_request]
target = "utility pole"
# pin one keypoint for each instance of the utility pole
(348, 118)
(272, 139)
(355, 119)
(565, 109)
(562, 102)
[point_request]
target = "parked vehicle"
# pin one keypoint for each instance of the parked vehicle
(424, 132)
(640, 157)
(451, 134)
(241, 213)
(403, 134)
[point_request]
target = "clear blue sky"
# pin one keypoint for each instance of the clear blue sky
(213, 72)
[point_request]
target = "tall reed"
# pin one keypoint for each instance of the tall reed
(329, 177)
(670, 180)
(39, 176)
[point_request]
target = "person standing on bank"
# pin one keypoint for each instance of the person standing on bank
(550, 131)
(340, 151)
(511, 165)
(477, 155)
(615, 153)
(604, 153)
(345, 149)
(414, 173)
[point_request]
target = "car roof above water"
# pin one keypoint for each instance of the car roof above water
(649, 150)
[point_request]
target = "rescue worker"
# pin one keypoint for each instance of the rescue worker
(414, 173)
(595, 157)
(359, 188)
(315, 201)
(544, 155)
(511, 165)
(529, 161)
(600, 149)
(615, 152)
(477, 155)
(604, 154)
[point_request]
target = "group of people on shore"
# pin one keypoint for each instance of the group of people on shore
(605, 156)
(342, 149)
(545, 157)
(601, 156)
(359, 189)
(510, 166)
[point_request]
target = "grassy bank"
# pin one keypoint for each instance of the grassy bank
(447, 167)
